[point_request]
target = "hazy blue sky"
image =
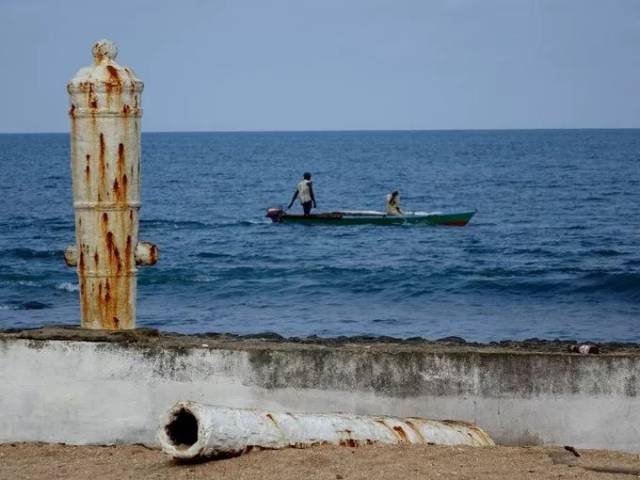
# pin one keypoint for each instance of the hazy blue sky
(333, 64)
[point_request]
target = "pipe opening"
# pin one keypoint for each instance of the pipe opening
(182, 430)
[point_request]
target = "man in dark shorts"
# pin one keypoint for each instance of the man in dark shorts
(304, 190)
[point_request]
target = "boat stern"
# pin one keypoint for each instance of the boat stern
(275, 214)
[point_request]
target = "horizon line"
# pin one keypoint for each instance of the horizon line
(372, 130)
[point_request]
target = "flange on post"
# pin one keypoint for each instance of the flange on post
(105, 113)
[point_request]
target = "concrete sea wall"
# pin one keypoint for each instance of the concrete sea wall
(113, 388)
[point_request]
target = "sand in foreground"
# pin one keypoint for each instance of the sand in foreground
(44, 461)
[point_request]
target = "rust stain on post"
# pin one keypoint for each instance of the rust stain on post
(105, 152)
(401, 433)
(415, 430)
(348, 441)
(272, 420)
(384, 424)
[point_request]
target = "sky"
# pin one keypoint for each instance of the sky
(244, 65)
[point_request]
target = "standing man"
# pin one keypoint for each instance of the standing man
(304, 190)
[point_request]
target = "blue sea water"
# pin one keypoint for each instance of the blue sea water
(553, 251)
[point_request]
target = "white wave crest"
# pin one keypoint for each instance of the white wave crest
(68, 287)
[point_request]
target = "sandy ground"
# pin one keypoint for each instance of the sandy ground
(46, 461)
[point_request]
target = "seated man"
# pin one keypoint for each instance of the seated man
(393, 204)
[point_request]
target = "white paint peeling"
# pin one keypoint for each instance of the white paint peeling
(194, 430)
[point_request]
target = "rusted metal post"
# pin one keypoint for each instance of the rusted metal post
(193, 430)
(105, 116)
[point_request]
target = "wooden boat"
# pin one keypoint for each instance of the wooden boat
(359, 217)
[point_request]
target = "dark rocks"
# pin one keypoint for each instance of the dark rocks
(455, 340)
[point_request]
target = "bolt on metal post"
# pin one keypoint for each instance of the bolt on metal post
(105, 113)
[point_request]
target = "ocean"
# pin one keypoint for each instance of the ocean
(553, 251)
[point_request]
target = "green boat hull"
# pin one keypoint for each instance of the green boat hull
(338, 218)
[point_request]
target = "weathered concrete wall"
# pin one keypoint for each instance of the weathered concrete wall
(83, 392)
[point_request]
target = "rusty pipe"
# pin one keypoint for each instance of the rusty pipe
(191, 430)
(105, 110)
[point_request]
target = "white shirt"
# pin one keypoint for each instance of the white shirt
(393, 207)
(304, 191)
